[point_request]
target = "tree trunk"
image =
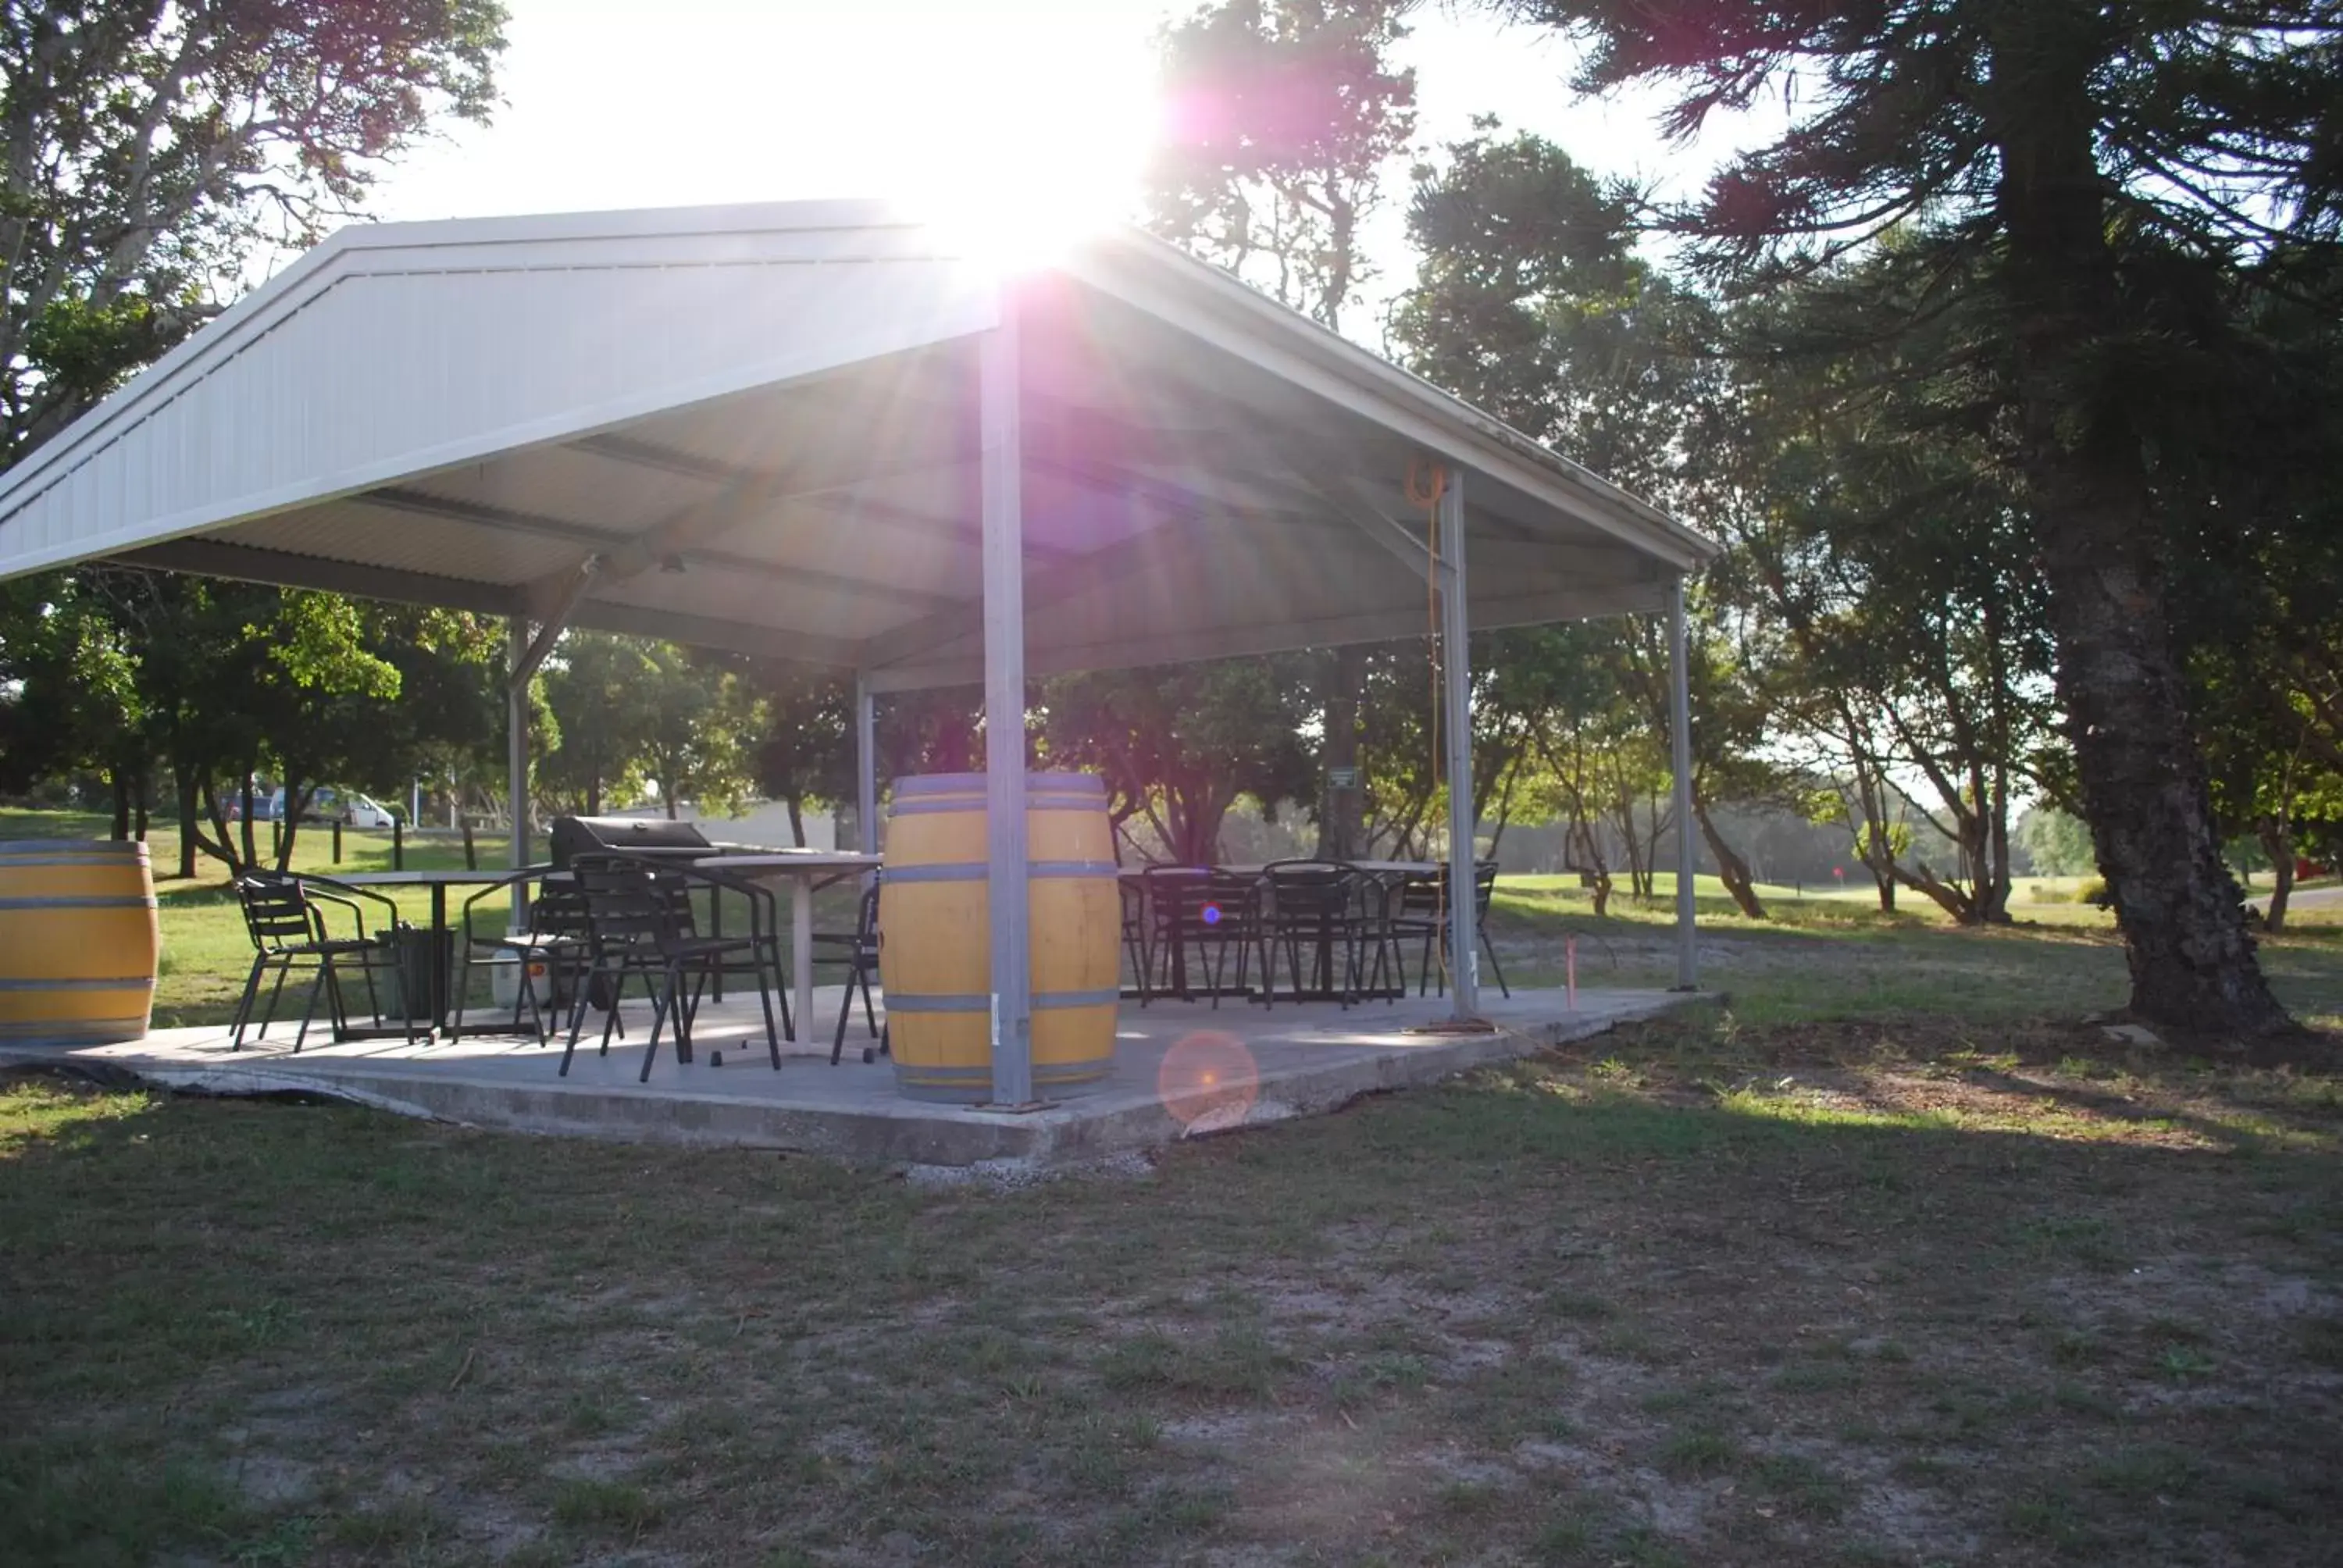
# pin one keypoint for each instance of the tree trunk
(251, 848)
(594, 796)
(289, 820)
(119, 782)
(2143, 779)
(1731, 868)
(797, 823)
(141, 788)
(2277, 843)
(183, 781)
(1339, 811)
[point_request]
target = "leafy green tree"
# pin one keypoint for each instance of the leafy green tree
(599, 690)
(1529, 301)
(1282, 118)
(2057, 844)
(1179, 747)
(803, 750)
(149, 149)
(2079, 157)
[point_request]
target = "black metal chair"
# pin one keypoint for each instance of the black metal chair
(1423, 916)
(555, 941)
(1131, 886)
(1161, 894)
(1313, 903)
(859, 951)
(641, 923)
(286, 918)
(1376, 901)
(1211, 914)
(764, 935)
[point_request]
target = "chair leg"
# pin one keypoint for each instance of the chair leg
(309, 1009)
(244, 1003)
(275, 992)
(464, 987)
(772, 1040)
(1490, 948)
(845, 1011)
(660, 1002)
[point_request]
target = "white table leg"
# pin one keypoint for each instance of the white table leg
(801, 952)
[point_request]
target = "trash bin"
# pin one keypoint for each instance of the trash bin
(425, 959)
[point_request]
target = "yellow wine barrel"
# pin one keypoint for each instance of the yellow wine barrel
(935, 956)
(77, 942)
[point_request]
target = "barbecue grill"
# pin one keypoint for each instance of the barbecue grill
(643, 837)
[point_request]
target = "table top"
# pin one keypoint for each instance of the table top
(419, 878)
(1375, 868)
(807, 860)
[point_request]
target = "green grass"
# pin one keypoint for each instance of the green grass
(1887, 1260)
(1637, 1300)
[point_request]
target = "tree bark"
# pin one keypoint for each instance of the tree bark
(1732, 870)
(2277, 843)
(1339, 811)
(183, 780)
(119, 782)
(2143, 779)
(797, 823)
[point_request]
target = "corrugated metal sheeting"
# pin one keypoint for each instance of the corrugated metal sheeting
(756, 426)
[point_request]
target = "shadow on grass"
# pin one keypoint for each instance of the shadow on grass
(2002, 1262)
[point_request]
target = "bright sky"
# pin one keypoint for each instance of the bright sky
(616, 103)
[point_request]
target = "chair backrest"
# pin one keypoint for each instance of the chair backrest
(1163, 885)
(1309, 890)
(277, 913)
(1485, 887)
(560, 911)
(625, 905)
(1218, 905)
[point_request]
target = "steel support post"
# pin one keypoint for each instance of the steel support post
(1456, 668)
(866, 767)
(517, 762)
(1680, 735)
(1001, 463)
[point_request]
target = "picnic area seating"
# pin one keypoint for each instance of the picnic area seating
(286, 917)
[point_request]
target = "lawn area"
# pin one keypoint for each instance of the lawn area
(1888, 1262)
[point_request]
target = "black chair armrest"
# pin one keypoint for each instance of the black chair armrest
(325, 890)
(502, 886)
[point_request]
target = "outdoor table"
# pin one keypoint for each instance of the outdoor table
(439, 883)
(802, 869)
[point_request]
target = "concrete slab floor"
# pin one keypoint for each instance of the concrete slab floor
(1181, 1069)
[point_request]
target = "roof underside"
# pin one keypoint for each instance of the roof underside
(755, 429)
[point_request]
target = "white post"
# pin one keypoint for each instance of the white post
(866, 767)
(517, 761)
(1680, 725)
(1456, 667)
(1001, 464)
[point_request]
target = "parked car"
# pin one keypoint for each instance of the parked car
(327, 805)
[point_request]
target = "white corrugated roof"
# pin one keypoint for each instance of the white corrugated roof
(755, 426)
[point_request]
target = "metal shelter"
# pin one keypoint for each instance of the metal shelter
(829, 433)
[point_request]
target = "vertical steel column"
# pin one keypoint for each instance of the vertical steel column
(866, 767)
(1680, 728)
(517, 761)
(1002, 466)
(1456, 667)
